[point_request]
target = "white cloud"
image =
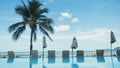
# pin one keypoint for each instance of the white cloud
(66, 15)
(62, 28)
(95, 34)
(75, 20)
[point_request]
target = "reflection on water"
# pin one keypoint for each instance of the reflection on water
(75, 62)
(112, 62)
(43, 65)
(100, 59)
(33, 61)
(66, 60)
(10, 60)
(74, 65)
(118, 58)
(80, 59)
(51, 60)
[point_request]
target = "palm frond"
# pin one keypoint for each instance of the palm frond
(23, 11)
(44, 10)
(15, 26)
(27, 12)
(46, 20)
(49, 21)
(45, 32)
(33, 6)
(47, 27)
(18, 32)
(47, 24)
(41, 17)
(36, 14)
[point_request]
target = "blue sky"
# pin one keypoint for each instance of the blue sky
(90, 21)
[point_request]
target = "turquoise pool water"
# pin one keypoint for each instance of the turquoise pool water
(81, 62)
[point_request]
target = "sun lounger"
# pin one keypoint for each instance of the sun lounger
(51, 53)
(80, 53)
(65, 56)
(100, 52)
(80, 56)
(51, 56)
(118, 52)
(11, 54)
(65, 53)
(34, 54)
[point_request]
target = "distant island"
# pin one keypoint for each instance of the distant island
(114, 50)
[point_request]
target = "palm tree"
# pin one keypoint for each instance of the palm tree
(34, 18)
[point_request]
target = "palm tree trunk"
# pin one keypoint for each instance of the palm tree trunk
(31, 45)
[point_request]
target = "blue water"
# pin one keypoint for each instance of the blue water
(81, 62)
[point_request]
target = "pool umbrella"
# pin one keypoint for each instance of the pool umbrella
(112, 40)
(74, 45)
(44, 44)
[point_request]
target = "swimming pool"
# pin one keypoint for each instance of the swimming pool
(80, 62)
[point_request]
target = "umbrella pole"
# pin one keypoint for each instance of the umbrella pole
(112, 57)
(43, 53)
(111, 49)
(72, 52)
